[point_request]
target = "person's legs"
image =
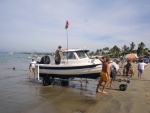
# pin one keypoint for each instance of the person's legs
(34, 73)
(139, 73)
(127, 72)
(30, 73)
(105, 85)
(57, 62)
(98, 85)
(103, 77)
(111, 83)
(124, 70)
(106, 79)
(131, 70)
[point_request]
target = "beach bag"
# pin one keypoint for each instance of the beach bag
(45, 60)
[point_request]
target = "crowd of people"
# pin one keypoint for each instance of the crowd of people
(107, 75)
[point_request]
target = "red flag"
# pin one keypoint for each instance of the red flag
(67, 24)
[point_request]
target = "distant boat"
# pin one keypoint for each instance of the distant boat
(38, 57)
(10, 53)
(28, 57)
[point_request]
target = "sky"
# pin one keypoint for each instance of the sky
(39, 25)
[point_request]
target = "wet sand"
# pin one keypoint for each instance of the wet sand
(21, 95)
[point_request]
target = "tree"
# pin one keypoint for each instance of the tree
(105, 50)
(97, 52)
(132, 45)
(92, 53)
(115, 52)
(125, 50)
(141, 50)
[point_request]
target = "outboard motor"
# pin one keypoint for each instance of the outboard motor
(45, 60)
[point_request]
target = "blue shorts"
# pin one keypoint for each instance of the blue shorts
(141, 71)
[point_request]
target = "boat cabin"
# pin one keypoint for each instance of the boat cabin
(75, 56)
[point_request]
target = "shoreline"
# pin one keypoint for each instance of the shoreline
(22, 95)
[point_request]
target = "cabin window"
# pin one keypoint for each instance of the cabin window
(81, 55)
(69, 55)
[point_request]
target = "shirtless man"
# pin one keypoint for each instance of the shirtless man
(104, 75)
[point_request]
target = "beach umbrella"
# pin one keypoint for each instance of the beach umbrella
(131, 56)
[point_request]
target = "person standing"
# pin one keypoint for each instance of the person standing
(57, 55)
(128, 68)
(104, 74)
(32, 68)
(141, 67)
(114, 70)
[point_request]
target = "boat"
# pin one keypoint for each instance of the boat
(10, 53)
(75, 63)
(28, 57)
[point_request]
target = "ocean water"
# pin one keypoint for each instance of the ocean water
(22, 95)
(8, 61)
(19, 61)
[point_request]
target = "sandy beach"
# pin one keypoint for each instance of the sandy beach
(21, 95)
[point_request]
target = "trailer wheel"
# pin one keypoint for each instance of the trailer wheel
(123, 87)
(46, 81)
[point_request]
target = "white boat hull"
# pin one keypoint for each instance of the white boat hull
(69, 71)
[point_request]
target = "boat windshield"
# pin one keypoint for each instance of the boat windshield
(69, 55)
(81, 54)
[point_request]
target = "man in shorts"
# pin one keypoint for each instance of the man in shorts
(104, 75)
(114, 70)
(141, 67)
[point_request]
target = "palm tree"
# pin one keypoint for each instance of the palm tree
(125, 50)
(132, 45)
(141, 50)
(105, 50)
(115, 52)
(97, 52)
(92, 53)
(100, 50)
(146, 52)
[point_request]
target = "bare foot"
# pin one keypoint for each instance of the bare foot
(111, 86)
(104, 92)
(29, 77)
(98, 91)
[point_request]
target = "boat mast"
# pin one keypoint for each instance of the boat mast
(66, 27)
(67, 44)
